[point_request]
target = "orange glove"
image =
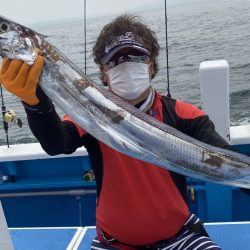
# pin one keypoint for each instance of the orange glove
(21, 79)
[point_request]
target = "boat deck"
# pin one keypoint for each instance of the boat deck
(230, 236)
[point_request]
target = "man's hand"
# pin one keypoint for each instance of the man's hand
(21, 79)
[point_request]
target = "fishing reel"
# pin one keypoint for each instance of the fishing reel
(10, 116)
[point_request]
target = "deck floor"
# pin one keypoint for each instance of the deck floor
(230, 236)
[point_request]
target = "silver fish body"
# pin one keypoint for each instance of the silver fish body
(118, 124)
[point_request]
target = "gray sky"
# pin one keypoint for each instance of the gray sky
(30, 11)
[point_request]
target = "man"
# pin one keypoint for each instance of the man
(139, 206)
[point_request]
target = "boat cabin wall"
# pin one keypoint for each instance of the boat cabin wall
(40, 190)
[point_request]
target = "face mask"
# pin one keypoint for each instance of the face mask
(129, 79)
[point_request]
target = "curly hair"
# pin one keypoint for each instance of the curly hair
(119, 26)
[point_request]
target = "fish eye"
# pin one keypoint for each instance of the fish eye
(4, 27)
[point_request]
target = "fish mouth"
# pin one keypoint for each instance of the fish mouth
(3, 43)
(7, 35)
(2, 39)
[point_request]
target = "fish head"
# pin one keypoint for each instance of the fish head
(17, 41)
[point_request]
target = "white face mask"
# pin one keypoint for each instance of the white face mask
(129, 79)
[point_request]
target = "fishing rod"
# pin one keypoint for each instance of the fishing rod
(8, 116)
(5, 124)
(85, 40)
(191, 187)
(166, 29)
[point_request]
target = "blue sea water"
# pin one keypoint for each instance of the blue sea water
(197, 31)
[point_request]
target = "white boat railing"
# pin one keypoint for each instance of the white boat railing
(214, 85)
(31, 151)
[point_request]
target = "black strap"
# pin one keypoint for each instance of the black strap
(196, 227)
(158, 245)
